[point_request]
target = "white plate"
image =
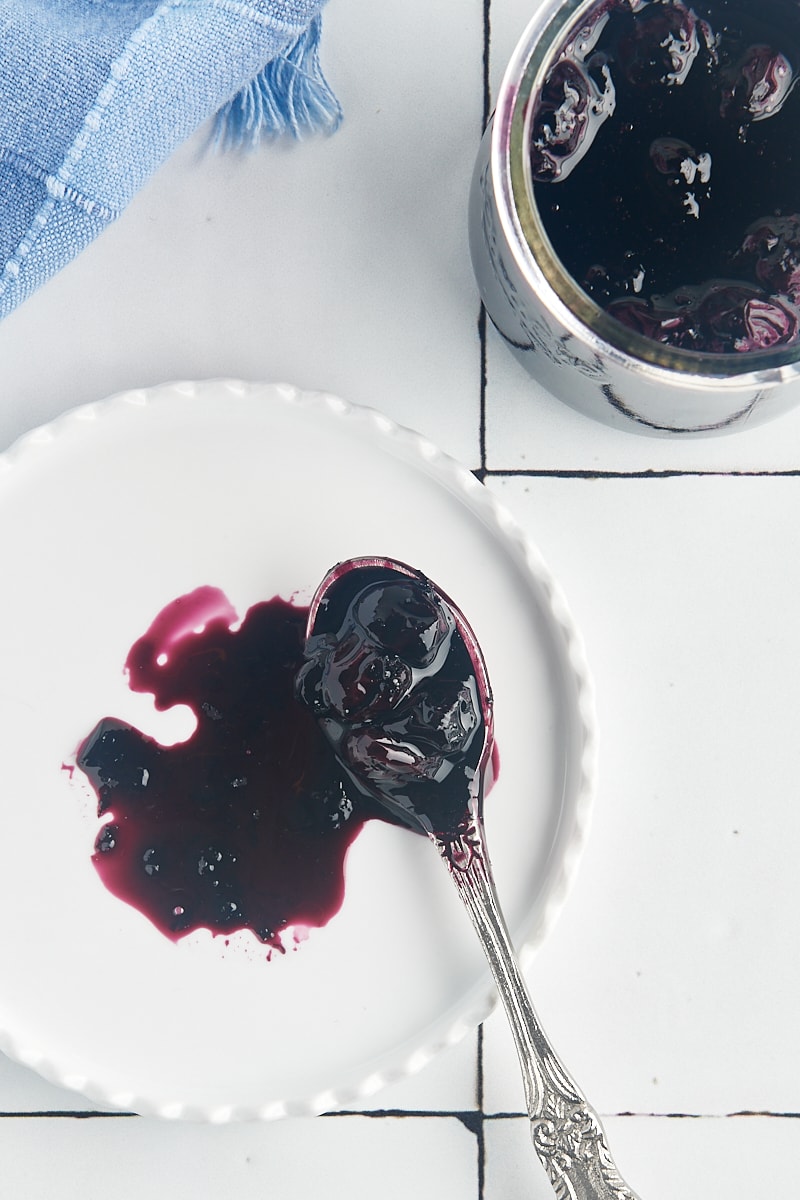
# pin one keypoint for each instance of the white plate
(107, 515)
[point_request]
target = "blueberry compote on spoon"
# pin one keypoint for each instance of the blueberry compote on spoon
(397, 681)
(397, 685)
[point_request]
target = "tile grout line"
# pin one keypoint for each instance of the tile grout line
(485, 113)
(667, 473)
(72, 1114)
(472, 1119)
(742, 1114)
(487, 40)
(481, 1125)
(482, 472)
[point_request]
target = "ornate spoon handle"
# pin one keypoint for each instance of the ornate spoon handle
(566, 1131)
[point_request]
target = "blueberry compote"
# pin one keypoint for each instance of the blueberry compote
(665, 162)
(381, 713)
(246, 824)
(397, 684)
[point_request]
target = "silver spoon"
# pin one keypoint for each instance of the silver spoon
(358, 686)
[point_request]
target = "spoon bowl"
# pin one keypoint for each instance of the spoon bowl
(399, 686)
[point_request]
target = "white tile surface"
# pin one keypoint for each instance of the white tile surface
(345, 1158)
(24, 1091)
(664, 1158)
(528, 430)
(668, 984)
(670, 980)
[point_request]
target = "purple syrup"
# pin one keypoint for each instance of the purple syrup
(393, 685)
(665, 159)
(247, 823)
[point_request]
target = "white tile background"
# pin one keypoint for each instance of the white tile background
(671, 980)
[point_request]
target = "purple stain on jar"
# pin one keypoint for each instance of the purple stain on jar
(675, 208)
(773, 246)
(768, 323)
(667, 155)
(757, 86)
(573, 105)
(660, 46)
(721, 318)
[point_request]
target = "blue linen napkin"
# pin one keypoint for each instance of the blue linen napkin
(95, 94)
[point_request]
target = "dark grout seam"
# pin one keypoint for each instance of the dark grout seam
(473, 1119)
(530, 473)
(481, 472)
(467, 1116)
(486, 109)
(70, 1114)
(731, 1116)
(480, 1130)
(487, 48)
(664, 1116)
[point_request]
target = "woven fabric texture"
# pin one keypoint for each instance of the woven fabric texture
(97, 93)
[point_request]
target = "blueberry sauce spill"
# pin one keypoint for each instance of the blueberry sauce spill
(400, 694)
(665, 163)
(247, 823)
